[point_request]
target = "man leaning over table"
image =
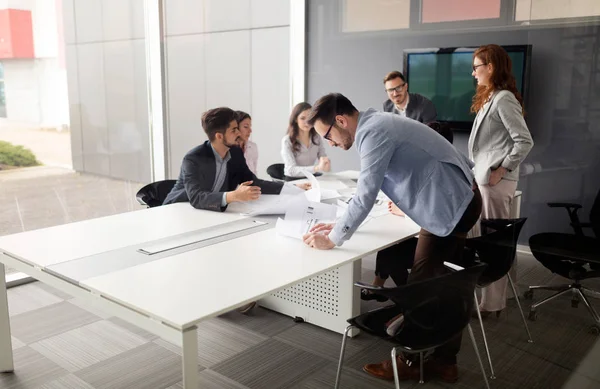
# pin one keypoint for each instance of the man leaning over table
(423, 175)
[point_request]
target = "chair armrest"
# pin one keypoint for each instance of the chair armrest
(453, 266)
(564, 205)
(364, 285)
(582, 225)
(572, 209)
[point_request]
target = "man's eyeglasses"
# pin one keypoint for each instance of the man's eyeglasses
(327, 136)
(476, 66)
(397, 89)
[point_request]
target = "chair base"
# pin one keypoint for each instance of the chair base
(395, 349)
(578, 291)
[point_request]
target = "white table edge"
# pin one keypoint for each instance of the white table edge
(192, 323)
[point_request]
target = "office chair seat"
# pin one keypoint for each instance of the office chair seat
(562, 252)
(153, 194)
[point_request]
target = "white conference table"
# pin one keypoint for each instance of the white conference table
(168, 293)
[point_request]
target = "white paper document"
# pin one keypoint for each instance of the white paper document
(302, 215)
(317, 193)
(265, 205)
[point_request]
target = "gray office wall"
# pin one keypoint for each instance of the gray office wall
(563, 105)
(108, 98)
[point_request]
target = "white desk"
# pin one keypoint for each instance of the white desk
(170, 294)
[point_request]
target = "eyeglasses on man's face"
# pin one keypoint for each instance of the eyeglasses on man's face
(397, 89)
(327, 136)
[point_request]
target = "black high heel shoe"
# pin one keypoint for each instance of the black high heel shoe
(367, 296)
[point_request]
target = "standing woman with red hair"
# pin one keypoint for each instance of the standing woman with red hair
(499, 142)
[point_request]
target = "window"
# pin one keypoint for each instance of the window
(555, 9)
(375, 15)
(437, 11)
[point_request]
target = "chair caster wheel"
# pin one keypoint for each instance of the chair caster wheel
(595, 330)
(532, 315)
(528, 295)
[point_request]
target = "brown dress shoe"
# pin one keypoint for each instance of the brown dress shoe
(445, 371)
(385, 370)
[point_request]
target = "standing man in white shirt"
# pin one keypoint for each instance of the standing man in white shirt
(410, 105)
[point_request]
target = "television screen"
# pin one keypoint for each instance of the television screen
(444, 77)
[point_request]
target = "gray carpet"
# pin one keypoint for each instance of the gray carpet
(59, 344)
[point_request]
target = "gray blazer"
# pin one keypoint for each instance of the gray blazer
(499, 137)
(419, 108)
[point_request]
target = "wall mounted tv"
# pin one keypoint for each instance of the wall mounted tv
(443, 75)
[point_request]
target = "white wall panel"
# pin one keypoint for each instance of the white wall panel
(90, 60)
(269, 13)
(74, 107)
(228, 70)
(123, 138)
(68, 18)
(88, 20)
(141, 111)
(186, 94)
(184, 17)
(270, 93)
(226, 15)
(121, 19)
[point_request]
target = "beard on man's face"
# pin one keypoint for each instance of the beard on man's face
(235, 143)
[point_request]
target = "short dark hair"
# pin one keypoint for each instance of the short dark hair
(217, 120)
(392, 75)
(329, 106)
(443, 129)
(241, 115)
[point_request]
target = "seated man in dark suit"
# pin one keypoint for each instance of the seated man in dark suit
(215, 173)
(411, 105)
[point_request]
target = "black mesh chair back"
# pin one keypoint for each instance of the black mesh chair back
(435, 310)
(595, 216)
(153, 195)
(275, 171)
(497, 247)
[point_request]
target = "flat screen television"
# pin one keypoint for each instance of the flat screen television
(443, 75)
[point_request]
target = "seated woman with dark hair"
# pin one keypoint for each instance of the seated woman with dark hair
(302, 149)
(248, 147)
(395, 261)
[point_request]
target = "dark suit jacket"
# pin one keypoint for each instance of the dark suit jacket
(197, 177)
(419, 108)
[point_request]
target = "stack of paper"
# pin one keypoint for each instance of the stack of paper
(302, 215)
(278, 204)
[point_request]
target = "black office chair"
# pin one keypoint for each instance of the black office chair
(276, 170)
(435, 311)
(573, 256)
(153, 195)
(497, 248)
